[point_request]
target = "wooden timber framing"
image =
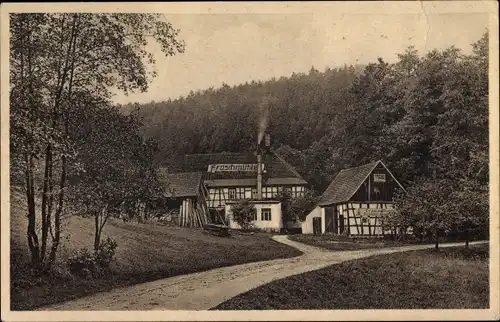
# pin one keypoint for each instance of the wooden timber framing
(358, 197)
(218, 196)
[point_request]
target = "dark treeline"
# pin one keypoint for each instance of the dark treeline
(302, 109)
(422, 115)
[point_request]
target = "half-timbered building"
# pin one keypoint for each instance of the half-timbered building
(355, 202)
(258, 176)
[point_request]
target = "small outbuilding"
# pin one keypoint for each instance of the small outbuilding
(185, 198)
(354, 202)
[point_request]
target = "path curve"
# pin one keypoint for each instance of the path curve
(205, 290)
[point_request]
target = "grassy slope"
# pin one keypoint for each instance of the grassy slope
(451, 278)
(145, 252)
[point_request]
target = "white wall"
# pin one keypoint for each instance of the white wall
(274, 224)
(307, 225)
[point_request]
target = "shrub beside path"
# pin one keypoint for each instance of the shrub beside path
(205, 290)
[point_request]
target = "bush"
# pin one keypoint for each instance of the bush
(244, 213)
(82, 262)
(86, 263)
(106, 253)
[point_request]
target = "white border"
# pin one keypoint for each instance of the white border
(392, 7)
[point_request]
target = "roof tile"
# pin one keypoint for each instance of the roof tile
(345, 184)
(275, 166)
(180, 184)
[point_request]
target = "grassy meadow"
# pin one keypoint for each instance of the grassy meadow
(145, 252)
(451, 278)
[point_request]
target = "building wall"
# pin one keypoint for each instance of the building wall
(274, 224)
(356, 222)
(217, 197)
(307, 225)
(377, 190)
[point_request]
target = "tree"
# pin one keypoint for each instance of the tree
(56, 59)
(469, 205)
(296, 208)
(115, 170)
(426, 208)
(244, 213)
(301, 206)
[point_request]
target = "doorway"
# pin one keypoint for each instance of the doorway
(317, 225)
(331, 220)
(341, 224)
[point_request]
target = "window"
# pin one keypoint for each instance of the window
(266, 192)
(232, 193)
(265, 214)
(255, 216)
(240, 193)
(297, 191)
(288, 190)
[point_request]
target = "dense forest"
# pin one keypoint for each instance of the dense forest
(300, 111)
(424, 115)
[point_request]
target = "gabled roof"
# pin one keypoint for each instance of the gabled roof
(180, 184)
(347, 182)
(274, 167)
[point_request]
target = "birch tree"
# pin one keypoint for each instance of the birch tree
(54, 58)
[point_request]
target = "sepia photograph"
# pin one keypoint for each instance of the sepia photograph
(250, 161)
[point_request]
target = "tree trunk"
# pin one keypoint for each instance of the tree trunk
(45, 222)
(467, 238)
(100, 219)
(65, 115)
(57, 215)
(97, 233)
(33, 244)
(437, 240)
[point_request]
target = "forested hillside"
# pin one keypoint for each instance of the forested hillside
(300, 110)
(422, 115)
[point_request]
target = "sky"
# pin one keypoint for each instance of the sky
(233, 48)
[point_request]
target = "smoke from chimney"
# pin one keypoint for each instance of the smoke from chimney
(263, 117)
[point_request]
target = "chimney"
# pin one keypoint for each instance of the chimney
(259, 171)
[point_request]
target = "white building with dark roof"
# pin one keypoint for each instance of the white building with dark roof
(258, 177)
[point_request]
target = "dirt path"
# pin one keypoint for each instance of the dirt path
(204, 290)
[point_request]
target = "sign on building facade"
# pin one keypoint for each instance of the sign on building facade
(379, 177)
(373, 212)
(233, 167)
